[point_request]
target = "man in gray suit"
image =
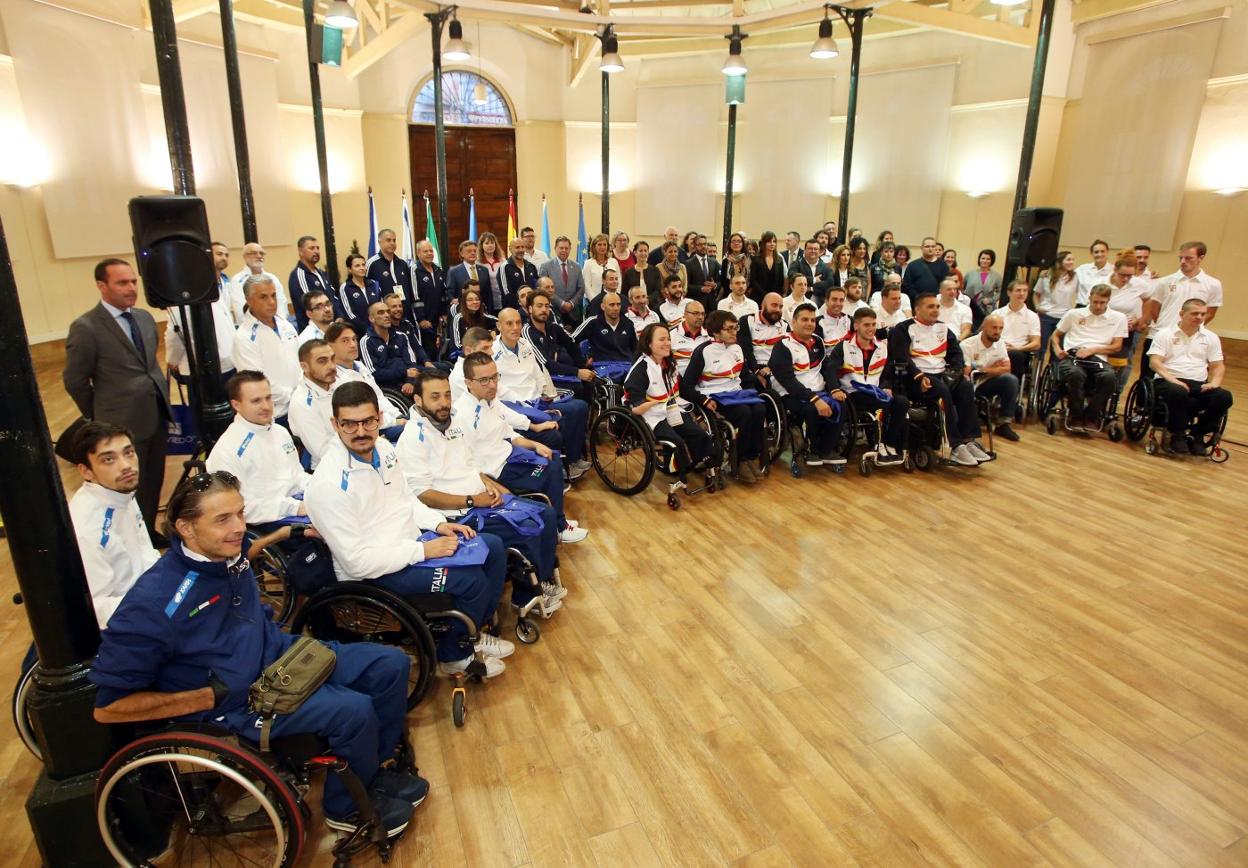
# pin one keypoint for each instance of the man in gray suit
(112, 375)
(566, 276)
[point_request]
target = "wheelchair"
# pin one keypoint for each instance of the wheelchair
(1054, 409)
(926, 438)
(1146, 416)
(188, 794)
(21, 713)
(775, 427)
(865, 428)
(625, 453)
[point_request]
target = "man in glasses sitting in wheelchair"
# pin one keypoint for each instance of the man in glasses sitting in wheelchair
(1187, 362)
(191, 637)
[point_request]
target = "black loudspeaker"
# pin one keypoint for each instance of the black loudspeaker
(1034, 237)
(174, 250)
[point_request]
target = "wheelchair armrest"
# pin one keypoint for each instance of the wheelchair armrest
(532, 495)
(436, 601)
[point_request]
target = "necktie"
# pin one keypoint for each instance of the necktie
(565, 274)
(135, 335)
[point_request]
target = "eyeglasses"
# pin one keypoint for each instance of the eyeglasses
(485, 381)
(353, 425)
(321, 306)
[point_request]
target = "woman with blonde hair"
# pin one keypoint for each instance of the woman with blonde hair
(600, 259)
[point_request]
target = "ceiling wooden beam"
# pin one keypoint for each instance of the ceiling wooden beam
(539, 33)
(400, 30)
(186, 10)
(953, 22)
(582, 57)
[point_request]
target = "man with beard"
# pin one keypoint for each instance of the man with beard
(758, 335)
(688, 335)
(639, 312)
(320, 313)
(387, 352)
(310, 411)
(611, 337)
(555, 349)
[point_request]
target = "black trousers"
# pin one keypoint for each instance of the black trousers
(748, 420)
(895, 412)
(821, 432)
(1077, 384)
(151, 454)
(694, 447)
(1188, 405)
(1020, 363)
(961, 419)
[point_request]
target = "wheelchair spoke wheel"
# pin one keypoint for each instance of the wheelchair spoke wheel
(187, 799)
(271, 582)
(1138, 411)
(622, 451)
(775, 428)
(21, 716)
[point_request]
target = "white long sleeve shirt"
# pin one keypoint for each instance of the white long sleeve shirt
(389, 416)
(521, 376)
(265, 460)
(488, 427)
(438, 461)
(113, 542)
(363, 509)
(311, 409)
(273, 352)
(237, 300)
(223, 325)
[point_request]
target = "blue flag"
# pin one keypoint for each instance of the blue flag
(582, 242)
(543, 243)
(372, 225)
(472, 216)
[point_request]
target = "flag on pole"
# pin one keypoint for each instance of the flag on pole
(582, 241)
(511, 218)
(372, 225)
(408, 253)
(430, 234)
(543, 242)
(472, 216)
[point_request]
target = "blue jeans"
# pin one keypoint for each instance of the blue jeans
(359, 711)
(476, 591)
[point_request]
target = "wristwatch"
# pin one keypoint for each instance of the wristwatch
(469, 502)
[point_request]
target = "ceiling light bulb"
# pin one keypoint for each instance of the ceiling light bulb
(341, 15)
(825, 46)
(456, 49)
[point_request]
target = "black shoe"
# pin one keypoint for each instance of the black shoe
(1007, 432)
(1178, 445)
(401, 786)
(1197, 446)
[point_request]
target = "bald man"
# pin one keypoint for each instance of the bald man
(253, 259)
(672, 234)
(987, 363)
(387, 353)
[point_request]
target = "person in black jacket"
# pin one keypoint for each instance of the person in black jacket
(611, 337)
(517, 272)
(767, 273)
(555, 349)
(703, 272)
(924, 275)
(818, 273)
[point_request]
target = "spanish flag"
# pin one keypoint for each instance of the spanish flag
(511, 217)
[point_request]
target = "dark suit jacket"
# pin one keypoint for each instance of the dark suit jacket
(820, 281)
(693, 267)
(764, 280)
(107, 378)
(457, 279)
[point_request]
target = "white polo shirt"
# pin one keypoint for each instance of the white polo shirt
(311, 419)
(1088, 276)
(746, 306)
(978, 356)
(113, 542)
(1129, 299)
(1174, 289)
(1020, 326)
(1082, 328)
(488, 427)
(886, 320)
(521, 376)
(877, 302)
(955, 316)
(1186, 357)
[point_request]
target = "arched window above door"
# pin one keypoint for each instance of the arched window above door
(468, 99)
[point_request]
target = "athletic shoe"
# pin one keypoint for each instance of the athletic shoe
(832, 458)
(493, 666)
(1178, 445)
(400, 785)
(745, 473)
(962, 455)
(1197, 446)
(553, 592)
(1007, 432)
(492, 646)
(572, 534)
(571, 522)
(813, 460)
(977, 452)
(577, 469)
(393, 815)
(888, 455)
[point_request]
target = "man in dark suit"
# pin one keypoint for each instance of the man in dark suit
(112, 375)
(565, 274)
(517, 272)
(457, 276)
(819, 276)
(703, 273)
(792, 250)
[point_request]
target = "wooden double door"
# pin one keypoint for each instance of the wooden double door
(482, 159)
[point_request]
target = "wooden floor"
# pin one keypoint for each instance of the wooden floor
(1041, 661)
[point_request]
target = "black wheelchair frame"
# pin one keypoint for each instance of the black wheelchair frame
(1146, 416)
(1054, 408)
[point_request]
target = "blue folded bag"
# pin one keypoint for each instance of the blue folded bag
(615, 371)
(523, 515)
(736, 396)
(522, 455)
(874, 391)
(533, 414)
(835, 404)
(471, 553)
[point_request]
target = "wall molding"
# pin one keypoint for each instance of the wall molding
(296, 108)
(1200, 17)
(597, 125)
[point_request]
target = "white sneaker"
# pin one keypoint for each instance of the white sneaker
(977, 452)
(553, 592)
(962, 455)
(885, 451)
(493, 667)
(572, 534)
(572, 522)
(492, 646)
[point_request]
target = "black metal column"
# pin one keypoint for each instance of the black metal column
(728, 163)
(206, 386)
(436, 22)
(242, 158)
(855, 20)
(1032, 124)
(322, 156)
(606, 154)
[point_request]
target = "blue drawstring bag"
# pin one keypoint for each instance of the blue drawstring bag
(736, 397)
(471, 553)
(873, 391)
(533, 414)
(521, 455)
(835, 405)
(523, 515)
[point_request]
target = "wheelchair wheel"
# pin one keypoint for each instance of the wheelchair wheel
(397, 399)
(1139, 410)
(1050, 423)
(925, 459)
(527, 631)
(21, 717)
(1047, 392)
(358, 612)
(864, 466)
(1115, 431)
(622, 451)
(184, 798)
(775, 429)
(271, 581)
(458, 708)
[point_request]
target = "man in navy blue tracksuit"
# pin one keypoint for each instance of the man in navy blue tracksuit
(191, 636)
